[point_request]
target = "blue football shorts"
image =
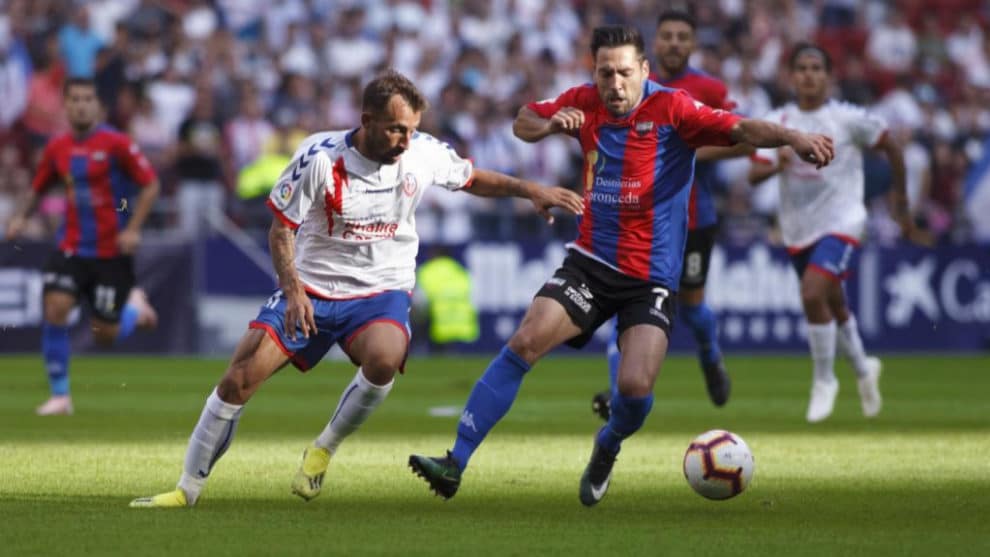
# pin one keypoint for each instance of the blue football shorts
(337, 321)
(831, 255)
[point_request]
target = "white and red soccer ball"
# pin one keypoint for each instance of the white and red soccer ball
(718, 464)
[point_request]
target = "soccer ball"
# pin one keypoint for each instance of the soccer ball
(718, 464)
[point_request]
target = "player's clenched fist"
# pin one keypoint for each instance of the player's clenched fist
(567, 119)
(815, 148)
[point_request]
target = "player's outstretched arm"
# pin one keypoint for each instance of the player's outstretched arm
(130, 237)
(711, 153)
(486, 183)
(17, 223)
(298, 308)
(898, 200)
(531, 127)
(811, 147)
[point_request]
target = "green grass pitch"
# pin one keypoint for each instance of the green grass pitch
(915, 481)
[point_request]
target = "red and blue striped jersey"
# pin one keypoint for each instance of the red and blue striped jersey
(638, 170)
(711, 91)
(98, 171)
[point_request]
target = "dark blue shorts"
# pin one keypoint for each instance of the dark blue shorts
(336, 321)
(830, 256)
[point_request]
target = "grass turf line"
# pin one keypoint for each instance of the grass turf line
(911, 482)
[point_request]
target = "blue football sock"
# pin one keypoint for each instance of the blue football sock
(701, 319)
(490, 399)
(613, 360)
(628, 415)
(128, 321)
(55, 351)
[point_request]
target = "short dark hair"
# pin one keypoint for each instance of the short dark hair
(677, 15)
(804, 47)
(611, 36)
(388, 83)
(77, 82)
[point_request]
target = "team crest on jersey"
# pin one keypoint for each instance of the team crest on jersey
(409, 184)
(99, 156)
(643, 128)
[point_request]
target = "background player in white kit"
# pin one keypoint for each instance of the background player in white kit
(822, 218)
(346, 277)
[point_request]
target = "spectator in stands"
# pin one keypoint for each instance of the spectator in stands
(78, 44)
(201, 194)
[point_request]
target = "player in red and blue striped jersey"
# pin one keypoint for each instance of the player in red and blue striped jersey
(673, 44)
(101, 170)
(639, 140)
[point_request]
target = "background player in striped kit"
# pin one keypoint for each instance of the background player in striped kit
(101, 168)
(638, 140)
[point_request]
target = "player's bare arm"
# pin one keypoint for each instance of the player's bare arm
(486, 183)
(811, 147)
(897, 199)
(712, 153)
(130, 237)
(530, 127)
(298, 308)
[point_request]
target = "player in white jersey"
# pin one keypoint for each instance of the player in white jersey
(344, 246)
(822, 218)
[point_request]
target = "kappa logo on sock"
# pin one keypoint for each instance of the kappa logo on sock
(467, 419)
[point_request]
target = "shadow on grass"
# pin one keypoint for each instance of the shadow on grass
(796, 521)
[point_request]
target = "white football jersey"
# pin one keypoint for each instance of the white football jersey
(815, 203)
(355, 217)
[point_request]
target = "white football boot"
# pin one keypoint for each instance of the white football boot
(822, 400)
(869, 388)
(57, 405)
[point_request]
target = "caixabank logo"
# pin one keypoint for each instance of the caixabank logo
(958, 291)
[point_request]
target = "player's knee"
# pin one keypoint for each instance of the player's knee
(525, 346)
(237, 384)
(813, 295)
(635, 385)
(57, 315)
(381, 368)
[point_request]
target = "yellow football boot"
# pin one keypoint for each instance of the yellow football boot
(170, 500)
(309, 478)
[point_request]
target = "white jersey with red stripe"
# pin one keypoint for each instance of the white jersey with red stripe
(355, 217)
(815, 203)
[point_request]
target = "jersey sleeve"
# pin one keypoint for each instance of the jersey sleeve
(699, 125)
(301, 183)
(450, 170)
(45, 174)
(866, 128)
(134, 163)
(576, 97)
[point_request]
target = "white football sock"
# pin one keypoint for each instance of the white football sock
(821, 339)
(208, 442)
(359, 400)
(851, 344)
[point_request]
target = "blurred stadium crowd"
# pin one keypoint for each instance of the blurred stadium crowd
(219, 92)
